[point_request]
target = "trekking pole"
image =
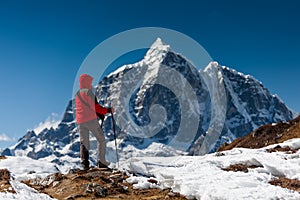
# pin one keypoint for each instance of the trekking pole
(115, 136)
(102, 117)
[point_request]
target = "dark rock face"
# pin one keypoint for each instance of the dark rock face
(250, 104)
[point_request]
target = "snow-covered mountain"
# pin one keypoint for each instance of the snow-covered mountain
(249, 105)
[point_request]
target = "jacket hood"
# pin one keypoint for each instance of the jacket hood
(85, 81)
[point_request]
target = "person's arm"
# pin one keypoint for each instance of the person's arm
(98, 108)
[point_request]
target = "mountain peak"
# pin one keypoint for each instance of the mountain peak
(212, 65)
(158, 44)
(157, 51)
(156, 54)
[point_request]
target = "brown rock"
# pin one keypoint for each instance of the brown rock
(267, 135)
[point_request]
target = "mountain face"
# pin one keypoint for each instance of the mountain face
(249, 105)
(146, 88)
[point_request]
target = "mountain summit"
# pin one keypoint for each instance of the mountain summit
(249, 105)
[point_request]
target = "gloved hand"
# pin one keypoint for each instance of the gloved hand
(100, 116)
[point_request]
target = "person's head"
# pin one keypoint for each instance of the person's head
(85, 81)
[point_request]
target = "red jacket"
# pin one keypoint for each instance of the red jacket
(83, 112)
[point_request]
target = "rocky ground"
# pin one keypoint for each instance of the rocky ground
(4, 181)
(292, 184)
(267, 135)
(96, 183)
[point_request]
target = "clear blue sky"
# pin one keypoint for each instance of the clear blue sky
(43, 43)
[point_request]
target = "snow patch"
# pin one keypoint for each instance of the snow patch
(142, 182)
(23, 168)
(23, 192)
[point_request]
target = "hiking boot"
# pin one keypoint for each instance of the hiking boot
(84, 156)
(103, 165)
(85, 167)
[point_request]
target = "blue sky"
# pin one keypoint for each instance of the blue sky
(43, 43)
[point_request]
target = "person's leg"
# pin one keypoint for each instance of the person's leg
(84, 145)
(101, 150)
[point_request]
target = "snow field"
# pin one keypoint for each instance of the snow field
(199, 177)
(202, 177)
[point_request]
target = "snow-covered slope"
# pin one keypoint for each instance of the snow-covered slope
(203, 177)
(249, 105)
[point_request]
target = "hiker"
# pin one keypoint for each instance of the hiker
(87, 111)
